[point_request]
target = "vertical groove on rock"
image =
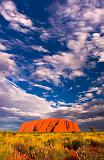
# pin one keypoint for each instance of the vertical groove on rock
(48, 126)
(52, 130)
(40, 126)
(67, 125)
(35, 129)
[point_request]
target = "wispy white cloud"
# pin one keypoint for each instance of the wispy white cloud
(42, 87)
(15, 100)
(53, 67)
(78, 44)
(10, 109)
(2, 47)
(17, 20)
(39, 48)
(7, 64)
(72, 22)
(44, 34)
(93, 89)
(9, 44)
(98, 41)
(43, 73)
(81, 16)
(101, 57)
(89, 95)
(100, 80)
(76, 73)
(95, 16)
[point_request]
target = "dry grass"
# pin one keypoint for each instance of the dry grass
(51, 146)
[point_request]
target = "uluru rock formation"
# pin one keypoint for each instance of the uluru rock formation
(49, 125)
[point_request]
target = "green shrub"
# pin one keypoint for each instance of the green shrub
(67, 145)
(76, 144)
(92, 129)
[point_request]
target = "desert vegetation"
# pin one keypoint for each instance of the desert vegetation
(51, 146)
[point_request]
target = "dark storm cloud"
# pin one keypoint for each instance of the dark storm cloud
(81, 115)
(95, 103)
(98, 124)
(86, 114)
(12, 122)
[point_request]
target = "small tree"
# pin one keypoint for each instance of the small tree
(92, 129)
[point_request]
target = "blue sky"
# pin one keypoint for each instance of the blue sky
(51, 61)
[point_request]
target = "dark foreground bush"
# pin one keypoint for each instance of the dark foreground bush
(76, 144)
(20, 148)
(94, 143)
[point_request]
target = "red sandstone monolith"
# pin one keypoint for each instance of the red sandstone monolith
(49, 125)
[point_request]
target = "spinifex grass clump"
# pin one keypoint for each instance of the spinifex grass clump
(51, 146)
(39, 153)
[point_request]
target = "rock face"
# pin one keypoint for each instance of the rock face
(49, 125)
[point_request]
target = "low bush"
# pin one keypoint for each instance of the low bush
(76, 144)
